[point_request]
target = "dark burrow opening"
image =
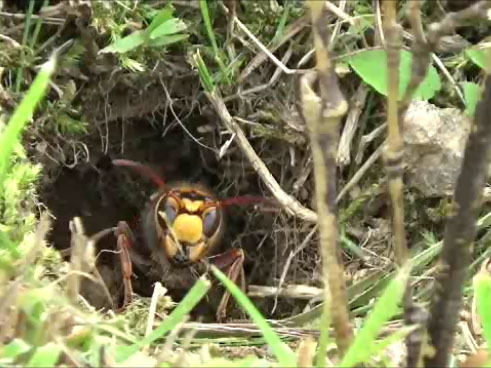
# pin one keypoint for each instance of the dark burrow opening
(102, 197)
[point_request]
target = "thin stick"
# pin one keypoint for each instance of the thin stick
(420, 51)
(447, 75)
(289, 204)
(367, 139)
(302, 292)
(78, 244)
(339, 12)
(423, 46)
(262, 87)
(413, 313)
(263, 48)
(359, 174)
(323, 116)
(289, 260)
(290, 32)
(459, 235)
(247, 329)
(378, 18)
(306, 352)
(339, 22)
(158, 291)
(394, 151)
(358, 102)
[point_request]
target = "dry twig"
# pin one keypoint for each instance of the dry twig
(289, 204)
(289, 291)
(459, 234)
(351, 124)
(11, 291)
(367, 139)
(289, 32)
(322, 116)
(263, 48)
(359, 174)
(289, 260)
(158, 291)
(306, 352)
(82, 260)
(276, 75)
(394, 150)
(422, 49)
(424, 46)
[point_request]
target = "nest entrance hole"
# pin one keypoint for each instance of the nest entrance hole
(102, 198)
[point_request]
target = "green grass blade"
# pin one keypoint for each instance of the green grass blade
(27, 26)
(169, 27)
(204, 74)
(484, 221)
(45, 356)
(284, 355)
(192, 298)
(6, 243)
(472, 95)
(481, 56)
(385, 308)
(197, 292)
(381, 346)
(161, 17)
(14, 348)
(24, 112)
(361, 292)
(350, 245)
(105, 328)
(482, 287)
(282, 23)
(127, 43)
(203, 5)
(37, 28)
(211, 35)
(324, 337)
(167, 40)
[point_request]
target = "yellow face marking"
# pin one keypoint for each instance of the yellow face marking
(197, 251)
(170, 246)
(191, 206)
(188, 228)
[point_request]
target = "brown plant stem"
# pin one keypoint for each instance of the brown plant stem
(421, 56)
(423, 46)
(289, 203)
(421, 53)
(322, 116)
(459, 234)
(394, 148)
(394, 155)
